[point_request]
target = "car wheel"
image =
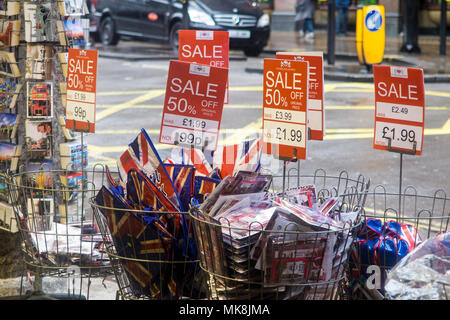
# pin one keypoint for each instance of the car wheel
(108, 35)
(173, 38)
(253, 52)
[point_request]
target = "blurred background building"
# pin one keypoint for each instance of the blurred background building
(282, 12)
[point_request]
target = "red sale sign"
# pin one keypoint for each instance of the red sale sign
(193, 105)
(285, 108)
(205, 47)
(399, 108)
(81, 90)
(316, 114)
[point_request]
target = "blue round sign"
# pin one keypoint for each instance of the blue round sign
(374, 20)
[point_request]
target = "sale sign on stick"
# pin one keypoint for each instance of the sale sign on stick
(193, 105)
(81, 90)
(285, 108)
(316, 114)
(399, 109)
(205, 47)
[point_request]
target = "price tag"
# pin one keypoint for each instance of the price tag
(316, 114)
(285, 108)
(399, 108)
(81, 90)
(205, 47)
(193, 105)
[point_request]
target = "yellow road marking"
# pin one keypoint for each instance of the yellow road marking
(119, 93)
(148, 96)
(250, 107)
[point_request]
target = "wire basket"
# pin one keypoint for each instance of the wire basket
(148, 262)
(268, 262)
(59, 236)
(425, 216)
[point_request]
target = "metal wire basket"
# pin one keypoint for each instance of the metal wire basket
(266, 262)
(60, 240)
(425, 215)
(149, 263)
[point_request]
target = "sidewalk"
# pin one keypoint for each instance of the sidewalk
(347, 67)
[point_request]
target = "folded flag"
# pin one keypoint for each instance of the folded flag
(183, 178)
(143, 193)
(382, 244)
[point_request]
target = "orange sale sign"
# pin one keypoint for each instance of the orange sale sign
(285, 108)
(193, 105)
(316, 114)
(81, 90)
(205, 47)
(399, 109)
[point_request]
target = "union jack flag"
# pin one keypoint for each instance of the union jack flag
(245, 156)
(142, 155)
(226, 160)
(198, 159)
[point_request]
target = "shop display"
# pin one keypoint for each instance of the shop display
(237, 228)
(45, 194)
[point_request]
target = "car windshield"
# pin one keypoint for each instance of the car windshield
(219, 5)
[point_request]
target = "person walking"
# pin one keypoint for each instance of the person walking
(342, 18)
(304, 15)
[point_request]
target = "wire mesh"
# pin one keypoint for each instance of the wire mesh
(281, 261)
(59, 236)
(152, 253)
(425, 216)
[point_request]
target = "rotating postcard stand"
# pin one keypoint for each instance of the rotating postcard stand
(47, 194)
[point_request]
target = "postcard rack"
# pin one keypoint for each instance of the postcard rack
(61, 243)
(282, 260)
(425, 215)
(148, 262)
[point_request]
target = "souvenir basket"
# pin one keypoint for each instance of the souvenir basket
(61, 244)
(282, 260)
(393, 226)
(152, 253)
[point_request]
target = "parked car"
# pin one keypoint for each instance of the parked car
(248, 25)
